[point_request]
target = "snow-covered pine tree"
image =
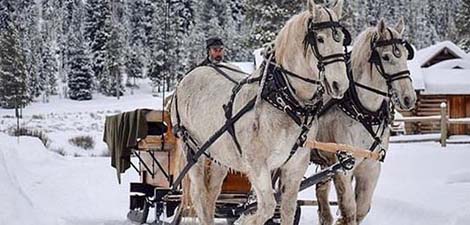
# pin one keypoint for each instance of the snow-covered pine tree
(97, 33)
(79, 71)
(13, 75)
(266, 18)
(113, 67)
(236, 32)
(135, 58)
(49, 67)
(423, 33)
(182, 18)
(157, 45)
(463, 25)
(64, 23)
(6, 9)
(27, 18)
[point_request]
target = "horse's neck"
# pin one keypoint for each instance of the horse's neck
(294, 61)
(370, 100)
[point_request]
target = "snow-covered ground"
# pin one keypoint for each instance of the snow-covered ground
(421, 183)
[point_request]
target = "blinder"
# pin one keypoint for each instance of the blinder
(334, 26)
(375, 57)
(376, 60)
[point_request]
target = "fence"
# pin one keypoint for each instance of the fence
(443, 119)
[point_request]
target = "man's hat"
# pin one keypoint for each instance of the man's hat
(214, 42)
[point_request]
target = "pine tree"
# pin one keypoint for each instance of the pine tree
(27, 18)
(6, 10)
(13, 75)
(97, 33)
(268, 17)
(463, 25)
(49, 67)
(49, 70)
(79, 72)
(157, 45)
(182, 19)
(112, 75)
(135, 58)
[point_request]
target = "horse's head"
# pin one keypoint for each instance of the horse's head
(379, 60)
(311, 44)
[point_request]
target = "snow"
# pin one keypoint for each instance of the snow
(453, 63)
(416, 74)
(247, 67)
(445, 81)
(421, 183)
(415, 138)
(63, 119)
(424, 55)
(446, 77)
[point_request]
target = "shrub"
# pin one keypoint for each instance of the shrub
(24, 131)
(86, 142)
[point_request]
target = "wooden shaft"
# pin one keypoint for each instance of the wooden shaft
(334, 148)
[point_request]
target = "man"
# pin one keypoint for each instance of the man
(215, 55)
(215, 51)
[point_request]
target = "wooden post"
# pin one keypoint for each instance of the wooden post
(443, 124)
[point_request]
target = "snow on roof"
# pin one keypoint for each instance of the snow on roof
(439, 78)
(446, 81)
(247, 67)
(416, 75)
(425, 54)
(453, 64)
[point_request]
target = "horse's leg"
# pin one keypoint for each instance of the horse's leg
(216, 177)
(322, 191)
(346, 199)
(366, 175)
(291, 176)
(260, 178)
(199, 193)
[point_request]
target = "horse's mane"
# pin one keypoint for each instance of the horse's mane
(362, 46)
(286, 38)
(292, 35)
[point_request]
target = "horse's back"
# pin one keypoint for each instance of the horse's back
(201, 95)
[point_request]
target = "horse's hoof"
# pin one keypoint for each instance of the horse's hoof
(346, 221)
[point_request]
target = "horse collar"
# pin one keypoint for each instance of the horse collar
(279, 93)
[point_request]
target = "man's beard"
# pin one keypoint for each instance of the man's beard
(217, 59)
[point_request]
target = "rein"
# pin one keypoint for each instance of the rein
(276, 90)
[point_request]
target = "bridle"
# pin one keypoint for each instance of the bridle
(285, 94)
(354, 108)
(376, 61)
(311, 41)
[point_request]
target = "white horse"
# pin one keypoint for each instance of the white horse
(337, 126)
(265, 134)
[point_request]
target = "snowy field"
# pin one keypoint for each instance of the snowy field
(421, 183)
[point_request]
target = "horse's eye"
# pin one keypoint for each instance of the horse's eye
(386, 58)
(320, 40)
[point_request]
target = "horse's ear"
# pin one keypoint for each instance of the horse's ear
(400, 27)
(381, 27)
(338, 8)
(312, 7)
